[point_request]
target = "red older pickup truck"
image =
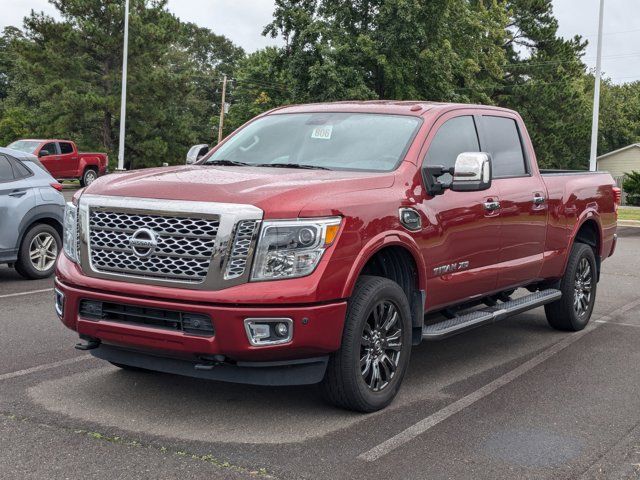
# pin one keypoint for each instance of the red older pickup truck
(318, 243)
(63, 161)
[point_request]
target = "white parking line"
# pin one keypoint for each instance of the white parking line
(19, 294)
(618, 323)
(441, 415)
(46, 366)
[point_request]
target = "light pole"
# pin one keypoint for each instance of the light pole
(596, 96)
(123, 99)
(222, 112)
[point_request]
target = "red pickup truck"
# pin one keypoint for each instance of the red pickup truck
(318, 243)
(63, 161)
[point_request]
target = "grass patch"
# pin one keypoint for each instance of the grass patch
(628, 213)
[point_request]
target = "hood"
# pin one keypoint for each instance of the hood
(279, 192)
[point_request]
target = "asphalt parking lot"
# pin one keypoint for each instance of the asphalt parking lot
(508, 401)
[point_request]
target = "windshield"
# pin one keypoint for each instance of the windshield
(335, 141)
(27, 146)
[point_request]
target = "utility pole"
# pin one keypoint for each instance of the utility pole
(596, 95)
(123, 98)
(222, 107)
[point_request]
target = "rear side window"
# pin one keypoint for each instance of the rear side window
(505, 147)
(454, 137)
(65, 148)
(6, 172)
(20, 171)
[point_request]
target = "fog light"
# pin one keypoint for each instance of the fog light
(282, 329)
(268, 331)
(59, 302)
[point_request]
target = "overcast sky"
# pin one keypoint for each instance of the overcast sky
(243, 20)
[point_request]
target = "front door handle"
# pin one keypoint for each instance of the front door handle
(538, 200)
(491, 206)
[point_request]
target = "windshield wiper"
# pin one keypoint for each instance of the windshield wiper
(228, 163)
(292, 165)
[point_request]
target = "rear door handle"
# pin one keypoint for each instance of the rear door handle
(18, 193)
(491, 206)
(538, 200)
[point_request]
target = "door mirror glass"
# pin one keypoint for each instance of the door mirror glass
(44, 153)
(472, 172)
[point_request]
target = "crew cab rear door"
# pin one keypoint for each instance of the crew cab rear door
(523, 198)
(460, 246)
(68, 163)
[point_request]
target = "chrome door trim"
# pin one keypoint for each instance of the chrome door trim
(491, 206)
(538, 200)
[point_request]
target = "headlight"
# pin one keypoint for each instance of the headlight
(70, 235)
(292, 248)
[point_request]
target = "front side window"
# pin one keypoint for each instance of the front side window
(505, 147)
(454, 137)
(50, 148)
(334, 141)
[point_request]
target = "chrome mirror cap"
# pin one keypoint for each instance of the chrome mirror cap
(472, 172)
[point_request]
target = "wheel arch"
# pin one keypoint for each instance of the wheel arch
(396, 257)
(89, 166)
(588, 231)
(41, 214)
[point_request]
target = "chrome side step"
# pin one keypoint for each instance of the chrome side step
(462, 323)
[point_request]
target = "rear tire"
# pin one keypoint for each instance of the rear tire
(578, 286)
(366, 373)
(89, 176)
(38, 251)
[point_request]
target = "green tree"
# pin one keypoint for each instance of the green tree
(399, 49)
(619, 116)
(259, 84)
(545, 81)
(631, 186)
(69, 73)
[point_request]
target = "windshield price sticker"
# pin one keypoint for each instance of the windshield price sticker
(323, 132)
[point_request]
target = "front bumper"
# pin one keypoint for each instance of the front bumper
(306, 371)
(317, 328)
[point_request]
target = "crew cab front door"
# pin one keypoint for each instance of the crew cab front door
(460, 244)
(523, 204)
(51, 159)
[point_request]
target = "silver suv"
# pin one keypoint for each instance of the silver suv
(31, 215)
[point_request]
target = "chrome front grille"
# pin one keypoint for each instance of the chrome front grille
(179, 243)
(242, 245)
(182, 252)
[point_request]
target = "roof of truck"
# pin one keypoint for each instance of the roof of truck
(44, 140)
(404, 107)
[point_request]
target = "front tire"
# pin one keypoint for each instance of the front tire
(38, 251)
(573, 311)
(366, 373)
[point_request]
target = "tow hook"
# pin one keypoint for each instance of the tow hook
(90, 345)
(210, 362)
